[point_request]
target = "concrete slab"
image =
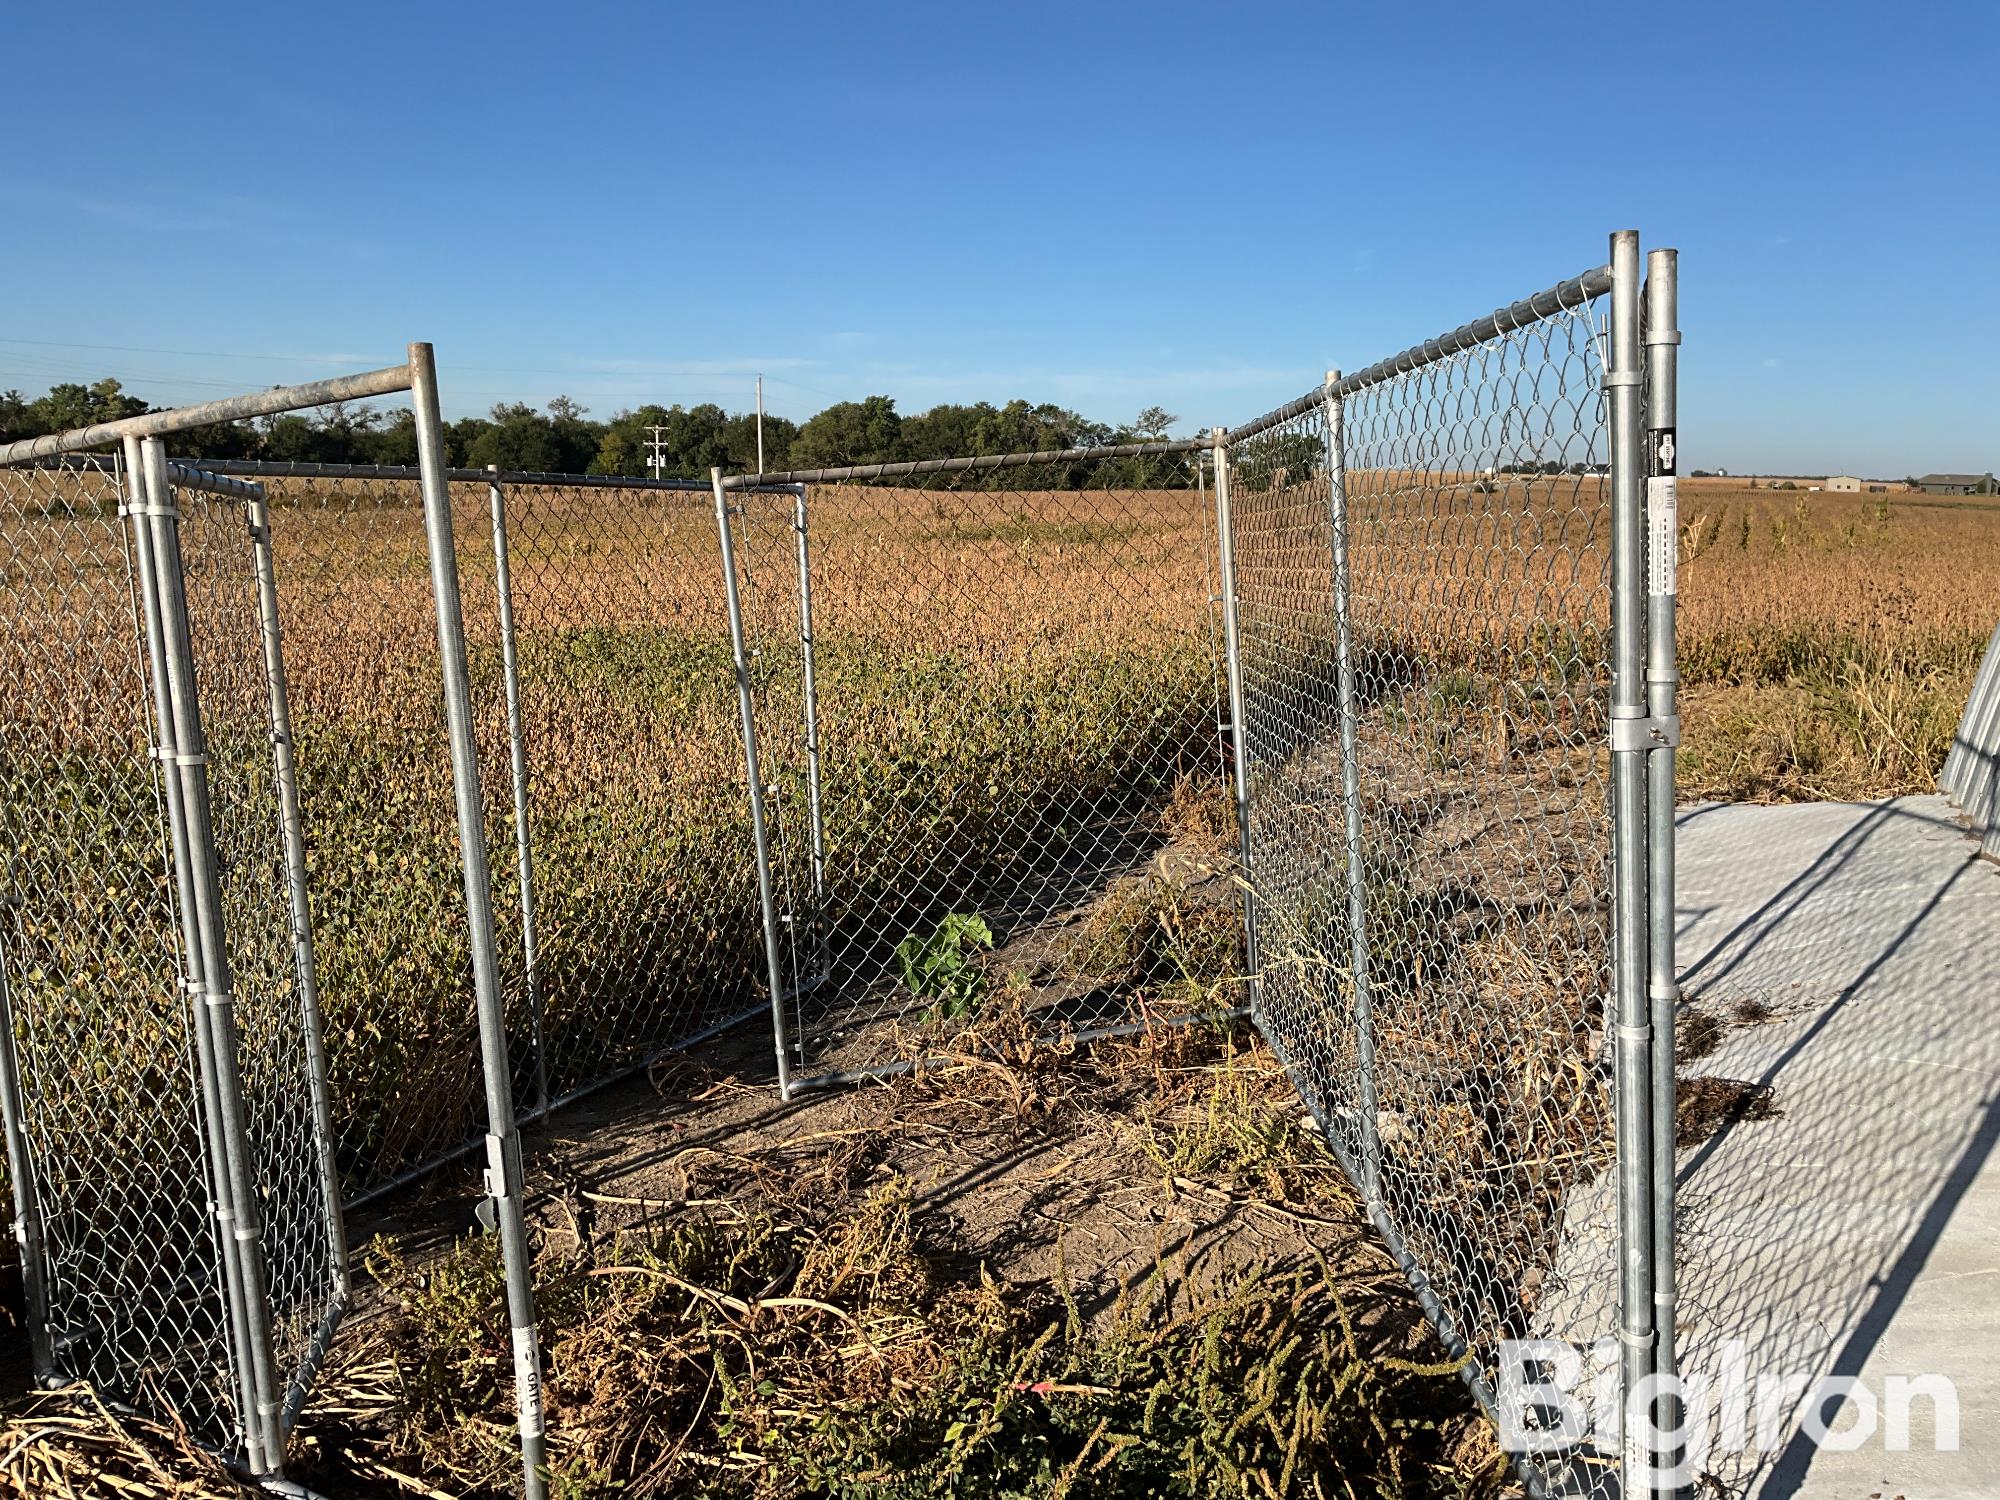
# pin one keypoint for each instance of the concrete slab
(1858, 1233)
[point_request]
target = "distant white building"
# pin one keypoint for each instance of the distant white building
(1844, 484)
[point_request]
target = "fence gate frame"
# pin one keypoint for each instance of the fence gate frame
(264, 1411)
(1638, 361)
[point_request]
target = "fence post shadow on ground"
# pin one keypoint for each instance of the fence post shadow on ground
(1803, 1237)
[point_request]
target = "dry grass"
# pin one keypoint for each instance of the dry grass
(1827, 642)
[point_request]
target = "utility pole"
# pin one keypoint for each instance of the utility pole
(760, 424)
(656, 450)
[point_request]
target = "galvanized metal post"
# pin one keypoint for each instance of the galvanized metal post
(504, 1185)
(140, 506)
(263, 1437)
(814, 810)
(747, 706)
(28, 1237)
(292, 829)
(517, 751)
(1225, 548)
(1662, 341)
(1631, 739)
(1350, 796)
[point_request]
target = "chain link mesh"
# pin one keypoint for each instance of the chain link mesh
(303, 1253)
(1429, 831)
(358, 621)
(89, 945)
(647, 924)
(645, 916)
(1015, 722)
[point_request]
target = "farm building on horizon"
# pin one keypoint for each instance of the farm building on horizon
(1957, 484)
(1844, 484)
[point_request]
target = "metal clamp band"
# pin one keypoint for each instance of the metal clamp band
(1667, 339)
(1632, 1340)
(1615, 378)
(176, 757)
(1637, 1035)
(1663, 992)
(1643, 732)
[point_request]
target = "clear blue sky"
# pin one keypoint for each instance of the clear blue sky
(1105, 206)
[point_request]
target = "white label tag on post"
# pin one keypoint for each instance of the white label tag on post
(528, 1382)
(1663, 529)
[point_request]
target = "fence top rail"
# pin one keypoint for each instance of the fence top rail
(193, 474)
(1565, 296)
(383, 382)
(279, 469)
(189, 476)
(959, 465)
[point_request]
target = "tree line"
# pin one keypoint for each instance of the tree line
(562, 438)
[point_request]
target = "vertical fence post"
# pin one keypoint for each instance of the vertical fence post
(814, 810)
(1350, 796)
(1630, 740)
(747, 706)
(292, 828)
(503, 1140)
(1662, 339)
(1225, 546)
(188, 762)
(141, 506)
(517, 751)
(21, 1177)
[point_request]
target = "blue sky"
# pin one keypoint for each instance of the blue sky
(1105, 206)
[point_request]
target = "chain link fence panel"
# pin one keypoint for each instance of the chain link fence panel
(625, 902)
(646, 919)
(986, 714)
(1422, 585)
(129, 1266)
(240, 676)
(119, 1233)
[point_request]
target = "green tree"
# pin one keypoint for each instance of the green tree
(1154, 423)
(517, 437)
(851, 432)
(69, 405)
